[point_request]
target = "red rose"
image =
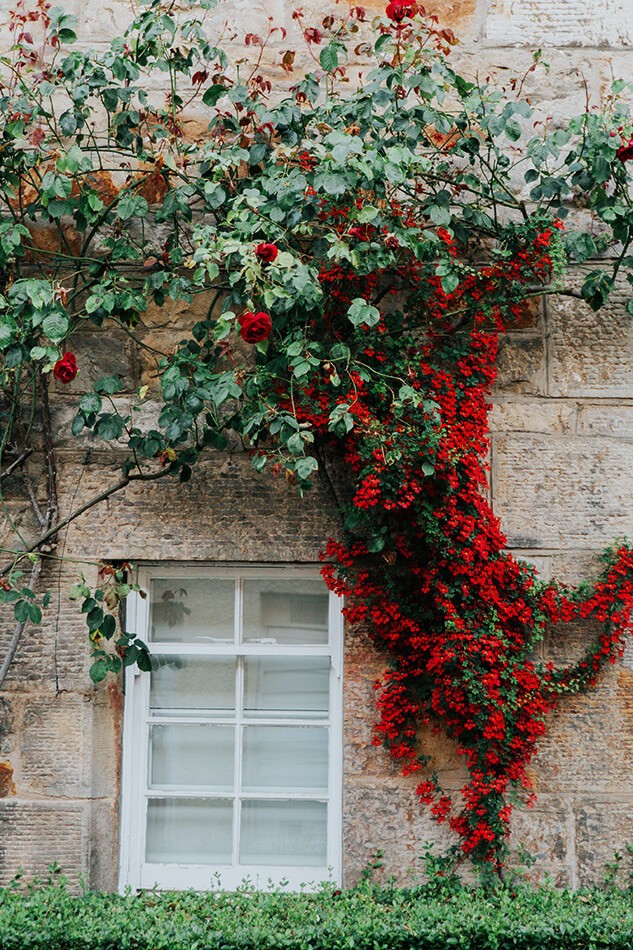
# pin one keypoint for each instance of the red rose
(399, 9)
(266, 252)
(254, 327)
(392, 242)
(65, 369)
(199, 77)
(625, 152)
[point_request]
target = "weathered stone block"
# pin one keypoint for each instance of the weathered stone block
(603, 826)
(225, 513)
(34, 835)
(521, 365)
(589, 741)
(100, 354)
(562, 493)
(55, 739)
(385, 816)
(6, 726)
(613, 422)
(532, 415)
(591, 354)
(561, 23)
(546, 832)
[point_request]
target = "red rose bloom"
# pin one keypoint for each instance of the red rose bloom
(399, 9)
(266, 252)
(65, 369)
(254, 327)
(625, 152)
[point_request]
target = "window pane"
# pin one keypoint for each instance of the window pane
(286, 687)
(284, 833)
(286, 611)
(186, 756)
(193, 686)
(192, 610)
(189, 831)
(283, 758)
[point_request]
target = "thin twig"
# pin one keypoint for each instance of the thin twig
(16, 464)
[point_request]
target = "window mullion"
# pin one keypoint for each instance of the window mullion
(239, 707)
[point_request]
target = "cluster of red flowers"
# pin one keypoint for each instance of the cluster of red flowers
(458, 616)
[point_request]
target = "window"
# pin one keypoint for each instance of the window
(232, 744)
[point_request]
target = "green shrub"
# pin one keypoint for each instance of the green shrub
(368, 918)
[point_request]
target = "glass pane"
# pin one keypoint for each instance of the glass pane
(192, 610)
(193, 686)
(282, 758)
(286, 687)
(278, 833)
(292, 611)
(186, 756)
(189, 831)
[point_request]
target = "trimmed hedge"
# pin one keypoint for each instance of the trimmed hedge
(368, 918)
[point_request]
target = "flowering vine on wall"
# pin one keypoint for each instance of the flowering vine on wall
(361, 246)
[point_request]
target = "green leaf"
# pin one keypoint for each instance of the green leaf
(362, 312)
(21, 611)
(78, 424)
(56, 326)
(108, 627)
(90, 403)
(306, 466)
(212, 94)
(99, 670)
(328, 57)
(109, 385)
(109, 426)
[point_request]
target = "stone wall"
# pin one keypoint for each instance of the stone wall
(561, 454)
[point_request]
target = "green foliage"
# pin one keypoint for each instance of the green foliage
(367, 918)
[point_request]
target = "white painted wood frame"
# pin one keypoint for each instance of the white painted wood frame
(135, 871)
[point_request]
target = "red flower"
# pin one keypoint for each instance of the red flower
(254, 327)
(65, 369)
(399, 9)
(392, 242)
(267, 253)
(199, 77)
(625, 152)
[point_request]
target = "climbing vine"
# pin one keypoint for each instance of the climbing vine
(361, 241)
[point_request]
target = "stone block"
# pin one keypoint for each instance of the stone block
(100, 353)
(62, 415)
(34, 835)
(225, 513)
(6, 726)
(386, 816)
(562, 492)
(55, 654)
(590, 354)
(603, 826)
(532, 415)
(603, 23)
(104, 845)
(589, 741)
(546, 833)
(55, 739)
(521, 365)
(612, 422)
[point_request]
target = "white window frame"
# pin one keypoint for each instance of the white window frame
(134, 871)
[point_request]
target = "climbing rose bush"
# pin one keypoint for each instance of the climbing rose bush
(370, 242)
